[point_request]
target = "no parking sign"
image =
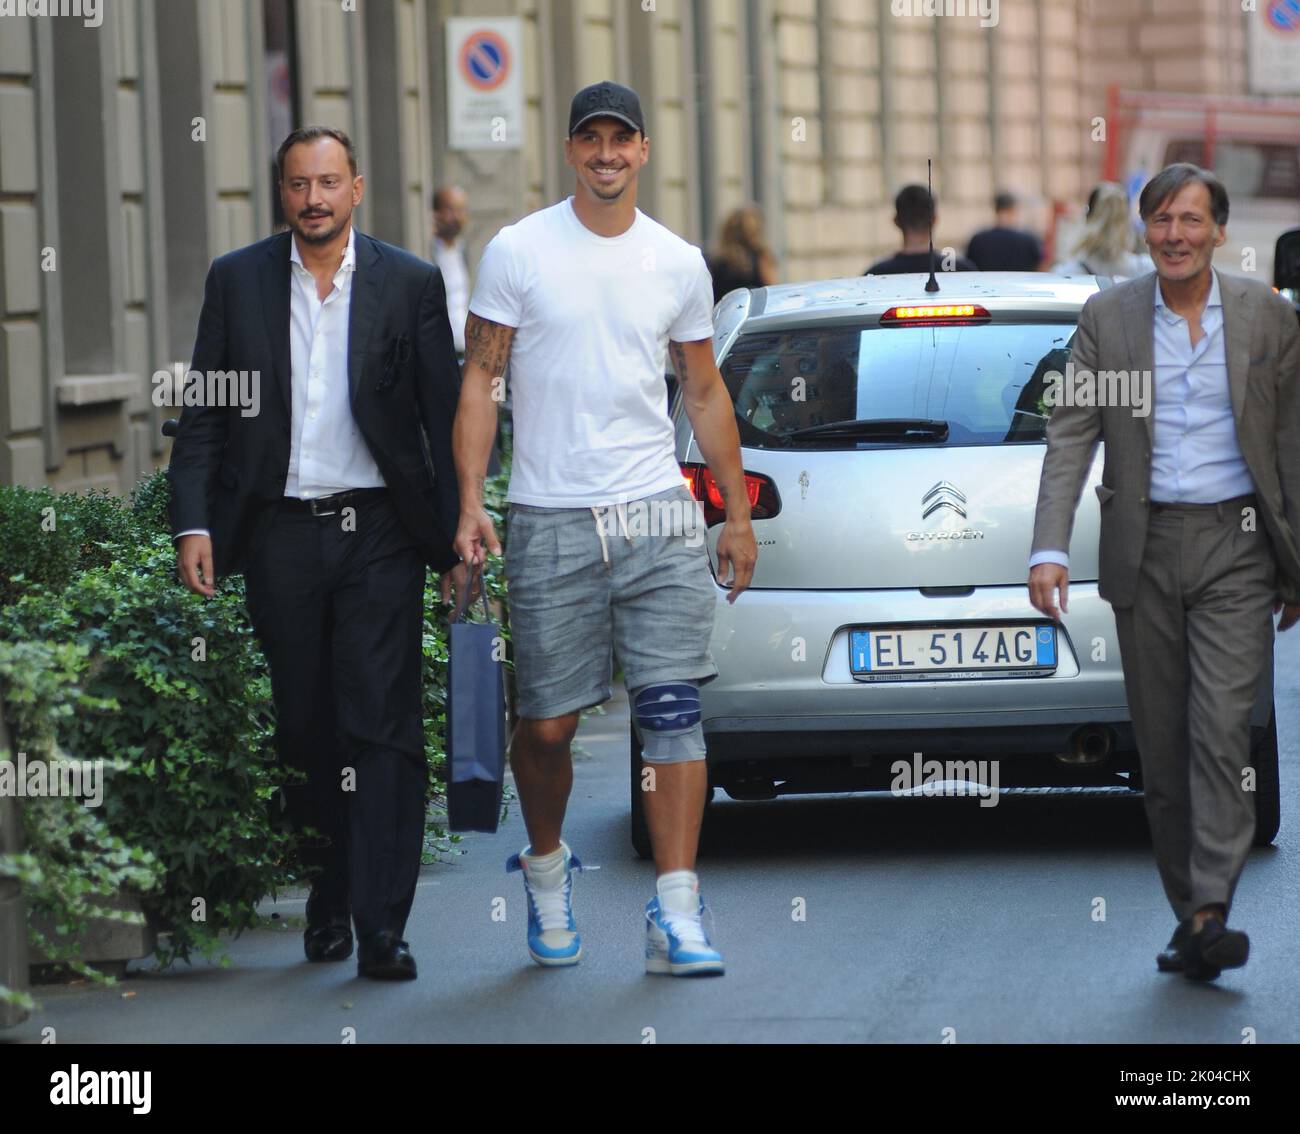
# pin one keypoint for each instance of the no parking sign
(1273, 44)
(485, 90)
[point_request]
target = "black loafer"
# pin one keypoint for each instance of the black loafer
(385, 957)
(1213, 949)
(1172, 959)
(327, 943)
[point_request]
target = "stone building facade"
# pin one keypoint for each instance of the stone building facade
(134, 152)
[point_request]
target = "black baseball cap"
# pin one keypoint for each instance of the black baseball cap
(606, 100)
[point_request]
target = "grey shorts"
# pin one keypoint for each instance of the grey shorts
(630, 581)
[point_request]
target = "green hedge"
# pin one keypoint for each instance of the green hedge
(71, 861)
(174, 690)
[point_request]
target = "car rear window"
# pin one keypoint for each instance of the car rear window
(985, 381)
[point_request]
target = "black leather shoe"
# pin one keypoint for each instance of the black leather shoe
(1172, 960)
(327, 943)
(1213, 949)
(329, 934)
(385, 956)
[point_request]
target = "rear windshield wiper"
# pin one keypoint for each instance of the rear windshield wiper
(877, 429)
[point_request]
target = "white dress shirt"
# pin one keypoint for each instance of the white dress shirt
(326, 451)
(1195, 455)
(450, 259)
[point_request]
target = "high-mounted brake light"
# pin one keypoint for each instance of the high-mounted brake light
(932, 313)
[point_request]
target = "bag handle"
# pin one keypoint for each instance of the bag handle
(462, 602)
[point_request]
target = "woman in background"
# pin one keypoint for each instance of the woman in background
(1106, 246)
(742, 257)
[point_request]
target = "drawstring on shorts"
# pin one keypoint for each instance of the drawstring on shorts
(620, 510)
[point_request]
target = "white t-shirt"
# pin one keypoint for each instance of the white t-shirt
(593, 317)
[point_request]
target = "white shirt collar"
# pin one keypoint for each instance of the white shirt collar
(349, 253)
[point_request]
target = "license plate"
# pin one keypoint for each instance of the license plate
(890, 653)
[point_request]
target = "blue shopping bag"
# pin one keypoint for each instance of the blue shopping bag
(476, 717)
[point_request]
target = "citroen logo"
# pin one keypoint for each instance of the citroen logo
(943, 495)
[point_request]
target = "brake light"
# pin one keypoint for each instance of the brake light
(930, 314)
(764, 503)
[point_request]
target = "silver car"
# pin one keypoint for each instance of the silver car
(892, 441)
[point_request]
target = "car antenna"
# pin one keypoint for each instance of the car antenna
(932, 284)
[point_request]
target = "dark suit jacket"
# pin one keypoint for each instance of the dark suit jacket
(226, 469)
(1262, 347)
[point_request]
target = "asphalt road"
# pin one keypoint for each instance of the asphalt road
(921, 915)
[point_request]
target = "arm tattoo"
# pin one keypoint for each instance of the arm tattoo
(678, 353)
(487, 344)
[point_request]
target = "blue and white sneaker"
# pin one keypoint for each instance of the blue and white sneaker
(553, 938)
(676, 943)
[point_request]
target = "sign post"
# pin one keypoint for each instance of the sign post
(485, 90)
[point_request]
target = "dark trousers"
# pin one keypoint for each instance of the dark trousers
(1194, 646)
(338, 613)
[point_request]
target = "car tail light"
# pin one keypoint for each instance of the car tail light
(764, 503)
(931, 314)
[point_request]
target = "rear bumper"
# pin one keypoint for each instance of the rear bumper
(782, 658)
(864, 744)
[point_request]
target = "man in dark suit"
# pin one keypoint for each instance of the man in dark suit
(1200, 510)
(1006, 247)
(332, 498)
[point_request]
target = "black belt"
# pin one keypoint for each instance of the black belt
(1247, 501)
(331, 504)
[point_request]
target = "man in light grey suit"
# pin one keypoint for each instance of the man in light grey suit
(1200, 510)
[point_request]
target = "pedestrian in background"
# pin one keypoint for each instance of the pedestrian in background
(1199, 498)
(742, 256)
(1106, 246)
(450, 217)
(915, 215)
(447, 250)
(1006, 247)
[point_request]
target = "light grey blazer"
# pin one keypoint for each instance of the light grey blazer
(1262, 346)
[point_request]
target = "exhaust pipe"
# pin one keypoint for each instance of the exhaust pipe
(1088, 745)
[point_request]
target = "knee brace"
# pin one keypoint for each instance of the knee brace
(667, 719)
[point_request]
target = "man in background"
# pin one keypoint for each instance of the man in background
(1006, 247)
(915, 215)
(450, 216)
(447, 250)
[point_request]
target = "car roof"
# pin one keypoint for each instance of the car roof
(858, 296)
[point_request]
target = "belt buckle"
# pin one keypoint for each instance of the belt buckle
(315, 510)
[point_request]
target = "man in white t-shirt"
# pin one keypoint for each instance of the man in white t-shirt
(605, 554)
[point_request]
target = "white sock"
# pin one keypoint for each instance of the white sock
(679, 892)
(545, 871)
